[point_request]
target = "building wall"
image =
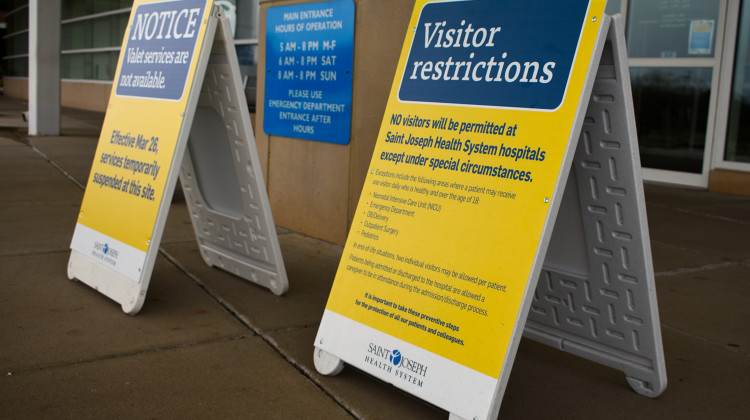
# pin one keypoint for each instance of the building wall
(80, 95)
(729, 182)
(314, 187)
(85, 95)
(16, 87)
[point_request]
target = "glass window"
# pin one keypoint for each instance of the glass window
(17, 44)
(83, 38)
(247, 56)
(613, 6)
(15, 60)
(738, 134)
(672, 28)
(91, 31)
(671, 113)
(89, 66)
(101, 32)
(14, 4)
(77, 8)
(18, 20)
(17, 67)
(243, 17)
(247, 20)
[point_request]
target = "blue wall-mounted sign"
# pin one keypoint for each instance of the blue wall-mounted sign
(159, 49)
(499, 53)
(309, 61)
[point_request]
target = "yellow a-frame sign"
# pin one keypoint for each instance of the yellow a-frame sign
(495, 108)
(177, 88)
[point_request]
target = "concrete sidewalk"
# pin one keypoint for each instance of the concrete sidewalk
(210, 345)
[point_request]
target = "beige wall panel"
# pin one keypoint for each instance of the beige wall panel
(89, 96)
(81, 95)
(379, 35)
(308, 181)
(729, 182)
(308, 187)
(16, 88)
(314, 187)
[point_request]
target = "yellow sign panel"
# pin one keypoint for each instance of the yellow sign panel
(129, 173)
(475, 138)
(137, 146)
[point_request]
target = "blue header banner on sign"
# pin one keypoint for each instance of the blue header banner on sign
(499, 53)
(160, 47)
(309, 60)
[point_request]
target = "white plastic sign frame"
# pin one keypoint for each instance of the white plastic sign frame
(596, 296)
(222, 179)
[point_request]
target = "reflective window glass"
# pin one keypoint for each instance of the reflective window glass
(17, 44)
(247, 19)
(89, 66)
(613, 6)
(14, 4)
(672, 28)
(91, 32)
(100, 32)
(243, 17)
(16, 40)
(17, 21)
(77, 8)
(247, 56)
(671, 113)
(738, 134)
(17, 67)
